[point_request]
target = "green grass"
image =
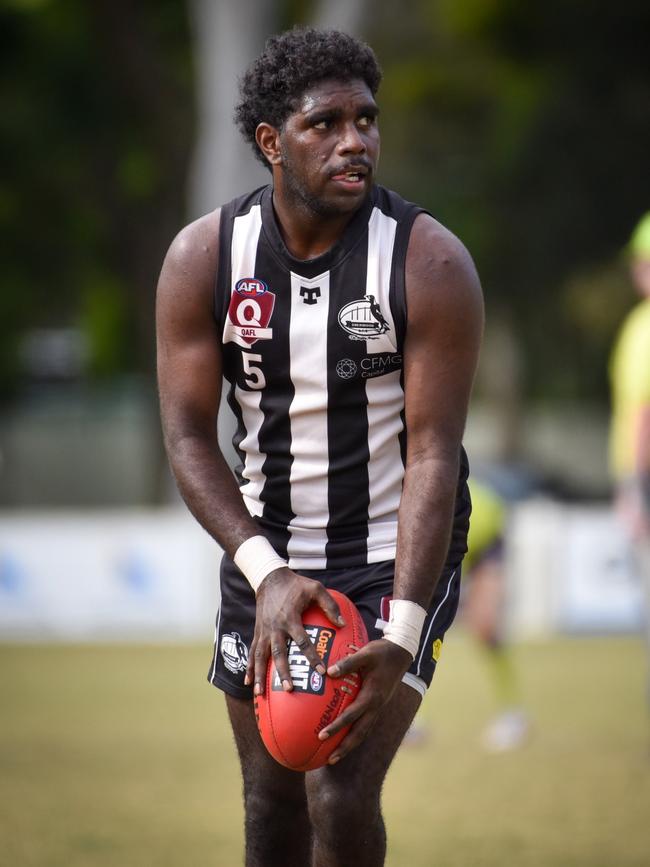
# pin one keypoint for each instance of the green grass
(123, 756)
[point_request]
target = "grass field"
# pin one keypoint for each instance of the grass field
(122, 756)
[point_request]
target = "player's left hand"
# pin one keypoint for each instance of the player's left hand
(382, 665)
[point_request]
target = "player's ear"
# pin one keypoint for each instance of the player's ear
(268, 141)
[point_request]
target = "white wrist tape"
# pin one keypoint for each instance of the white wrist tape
(256, 558)
(405, 624)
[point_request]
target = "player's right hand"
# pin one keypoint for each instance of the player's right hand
(281, 599)
(382, 665)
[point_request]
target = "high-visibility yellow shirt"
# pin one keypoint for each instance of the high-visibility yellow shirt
(629, 372)
(486, 523)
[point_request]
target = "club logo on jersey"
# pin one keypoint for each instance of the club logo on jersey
(303, 677)
(363, 319)
(249, 313)
(234, 652)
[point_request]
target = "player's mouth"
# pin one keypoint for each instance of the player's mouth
(353, 178)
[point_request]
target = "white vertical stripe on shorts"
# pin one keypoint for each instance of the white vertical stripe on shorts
(433, 619)
(216, 647)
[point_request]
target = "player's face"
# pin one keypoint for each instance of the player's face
(329, 147)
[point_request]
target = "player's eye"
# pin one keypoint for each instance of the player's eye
(365, 121)
(321, 124)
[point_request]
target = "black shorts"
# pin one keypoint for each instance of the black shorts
(369, 587)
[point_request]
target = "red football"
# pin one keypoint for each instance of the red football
(289, 722)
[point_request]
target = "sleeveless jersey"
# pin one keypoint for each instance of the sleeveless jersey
(313, 354)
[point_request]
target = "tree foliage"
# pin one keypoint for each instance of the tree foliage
(96, 129)
(525, 127)
(522, 126)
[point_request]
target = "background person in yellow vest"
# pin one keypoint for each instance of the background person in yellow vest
(483, 598)
(630, 426)
(483, 605)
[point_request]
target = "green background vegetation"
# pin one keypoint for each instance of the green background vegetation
(96, 126)
(522, 126)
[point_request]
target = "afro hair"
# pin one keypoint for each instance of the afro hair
(290, 64)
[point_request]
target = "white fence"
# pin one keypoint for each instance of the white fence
(106, 575)
(570, 570)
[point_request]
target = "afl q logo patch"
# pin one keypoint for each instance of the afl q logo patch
(251, 286)
(363, 319)
(234, 652)
(346, 368)
(249, 313)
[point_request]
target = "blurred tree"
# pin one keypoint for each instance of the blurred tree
(96, 127)
(526, 129)
(227, 36)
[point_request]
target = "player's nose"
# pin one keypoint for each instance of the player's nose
(351, 140)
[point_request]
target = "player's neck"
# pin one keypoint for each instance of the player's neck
(306, 233)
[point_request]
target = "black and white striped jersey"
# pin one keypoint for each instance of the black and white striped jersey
(313, 354)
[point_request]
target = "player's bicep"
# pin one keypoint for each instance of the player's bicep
(188, 343)
(189, 383)
(444, 329)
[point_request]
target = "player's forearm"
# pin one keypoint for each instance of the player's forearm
(424, 527)
(209, 489)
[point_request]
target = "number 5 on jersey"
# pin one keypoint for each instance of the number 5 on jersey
(256, 374)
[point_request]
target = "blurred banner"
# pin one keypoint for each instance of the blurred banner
(133, 575)
(570, 571)
(153, 575)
